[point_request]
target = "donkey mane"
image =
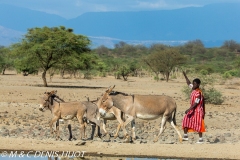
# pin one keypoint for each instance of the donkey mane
(54, 96)
(116, 93)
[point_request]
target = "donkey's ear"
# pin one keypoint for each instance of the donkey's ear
(52, 93)
(110, 90)
(47, 93)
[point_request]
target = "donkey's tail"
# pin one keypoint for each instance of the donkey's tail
(174, 116)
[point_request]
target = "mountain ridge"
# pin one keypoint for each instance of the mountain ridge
(212, 24)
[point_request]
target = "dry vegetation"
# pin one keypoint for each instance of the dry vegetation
(24, 127)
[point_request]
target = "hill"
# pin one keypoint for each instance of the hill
(212, 24)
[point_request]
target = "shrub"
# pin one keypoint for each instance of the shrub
(231, 73)
(103, 74)
(186, 92)
(227, 75)
(211, 95)
(156, 78)
(173, 77)
(204, 72)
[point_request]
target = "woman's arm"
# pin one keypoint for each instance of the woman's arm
(197, 101)
(187, 80)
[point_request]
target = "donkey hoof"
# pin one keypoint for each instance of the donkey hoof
(59, 139)
(104, 134)
(99, 135)
(126, 140)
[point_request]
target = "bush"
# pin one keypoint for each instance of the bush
(213, 96)
(186, 92)
(231, 73)
(204, 72)
(234, 73)
(173, 77)
(89, 74)
(227, 75)
(156, 78)
(103, 74)
(117, 75)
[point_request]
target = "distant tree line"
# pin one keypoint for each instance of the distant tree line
(58, 50)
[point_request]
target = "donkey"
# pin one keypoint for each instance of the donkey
(67, 111)
(147, 107)
(112, 114)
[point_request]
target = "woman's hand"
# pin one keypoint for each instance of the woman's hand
(187, 111)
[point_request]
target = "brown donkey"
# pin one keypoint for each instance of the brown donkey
(67, 111)
(112, 114)
(147, 107)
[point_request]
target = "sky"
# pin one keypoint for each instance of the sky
(74, 8)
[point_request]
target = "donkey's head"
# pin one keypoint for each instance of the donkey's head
(105, 102)
(47, 100)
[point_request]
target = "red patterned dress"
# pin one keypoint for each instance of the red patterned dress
(193, 120)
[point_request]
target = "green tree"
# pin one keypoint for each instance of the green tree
(164, 61)
(159, 47)
(102, 50)
(194, 47)
(124, 71)
(25, 65)
(231, 45)
(87, 63)
(6, 60)
(47, 47)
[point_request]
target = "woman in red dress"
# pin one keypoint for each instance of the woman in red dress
(193, 121)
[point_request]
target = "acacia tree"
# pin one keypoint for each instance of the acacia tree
(86, 62)
(164, 61)
(6, 60)
(195, 47)
(231, 45)
(46, 47)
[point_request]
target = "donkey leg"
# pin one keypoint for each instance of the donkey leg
(164, 119)
(85, 124)
(117, 131)
(172, 121)
(177, 130)
(119, 126)
(82, 127)
(128, 120)
(70, 132)
(104, 127)
(99, 132)
(133, 129)
(51, 124)
(57, 129)
(93, 130)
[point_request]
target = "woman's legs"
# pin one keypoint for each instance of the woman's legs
(185, 136)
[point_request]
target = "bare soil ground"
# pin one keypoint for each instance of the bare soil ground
(24, 128)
